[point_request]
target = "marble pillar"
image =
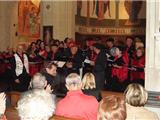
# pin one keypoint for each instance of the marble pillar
(152, 71)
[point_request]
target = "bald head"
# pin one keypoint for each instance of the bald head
(20, 49)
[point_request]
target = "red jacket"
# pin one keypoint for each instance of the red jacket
(138, 63)
(121, 73)
(78, 105)
(3, 117)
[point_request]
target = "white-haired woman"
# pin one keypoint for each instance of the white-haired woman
(89, 86)
(136, 97)
(36, 105)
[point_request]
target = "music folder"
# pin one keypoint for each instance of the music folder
(60, 63)
(87, 61)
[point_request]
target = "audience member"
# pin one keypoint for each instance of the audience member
(36, 105)
(2, 106)
(136, 97)
(54, 79)
(76, 104)
(112, 108)
(39, 82)
(89, 86)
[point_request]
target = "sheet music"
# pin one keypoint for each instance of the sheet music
(60, 63)
(110, 60)
(108, 55)
(87, 61)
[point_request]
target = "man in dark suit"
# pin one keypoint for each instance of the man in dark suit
(99, 65)
(54, 79)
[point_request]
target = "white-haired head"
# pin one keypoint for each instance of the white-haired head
(36, 105)
(73, 81)
(38, 81)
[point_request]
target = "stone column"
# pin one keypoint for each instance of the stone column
(152, 71)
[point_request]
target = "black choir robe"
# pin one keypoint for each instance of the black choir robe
(99, 69)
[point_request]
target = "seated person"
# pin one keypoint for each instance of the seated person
(36, 105)
(136, 97)
(76, 104)
(55, 80)
(89, 86)
(2, 106)
(39, 81)
(112, 108)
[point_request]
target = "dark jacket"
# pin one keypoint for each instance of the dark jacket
(100, 64)
(99, 69)
(94, 92)
(57, 84)
(76, 60)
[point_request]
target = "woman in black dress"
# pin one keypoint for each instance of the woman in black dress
(89, 86)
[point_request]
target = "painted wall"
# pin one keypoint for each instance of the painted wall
(122, 11)
(8, 24)
(59, 14)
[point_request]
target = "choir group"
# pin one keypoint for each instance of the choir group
(114, 65)
(85, 72)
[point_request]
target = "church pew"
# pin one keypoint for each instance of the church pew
(12, 114)
(14, 96)
(55, 117)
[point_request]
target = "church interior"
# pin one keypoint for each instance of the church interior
(80, 60)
